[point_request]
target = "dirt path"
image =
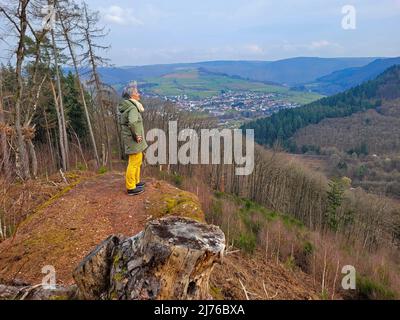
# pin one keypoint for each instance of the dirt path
(67, 229)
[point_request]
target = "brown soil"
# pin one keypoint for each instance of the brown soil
(262, 280)
(68, 227)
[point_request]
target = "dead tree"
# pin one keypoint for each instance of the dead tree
(90, 31)
(60, 102)
(66, 21)
(17, 17)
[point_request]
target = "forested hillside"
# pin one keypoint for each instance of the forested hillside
(293, 71)
(339, 81)
(280, 127)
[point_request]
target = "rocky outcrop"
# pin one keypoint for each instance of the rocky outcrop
(171, 259)
(68, 226)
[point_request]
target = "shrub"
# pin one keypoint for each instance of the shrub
(370, 289)
(177, 179)
(102, 170)
(246, 242)
(80, 166)
(308, 248)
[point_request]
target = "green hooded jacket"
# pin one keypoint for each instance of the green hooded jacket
(131, 122)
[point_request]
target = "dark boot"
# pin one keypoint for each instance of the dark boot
(140, 184)
(136, 191)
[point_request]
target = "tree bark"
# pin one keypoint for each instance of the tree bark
(60, 128)
(5, 161)
(61, 104)
(21, 165)
(171, 259)
(33, 157)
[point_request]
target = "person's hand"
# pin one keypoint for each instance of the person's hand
(139, 139)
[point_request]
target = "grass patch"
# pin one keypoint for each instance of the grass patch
(102, 170)
(372, 290)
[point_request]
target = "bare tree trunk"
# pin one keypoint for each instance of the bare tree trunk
(5, 164)
(96, 78)
(33, 157)
(49, 138)
(60, 128)
(61, 105)
(82, 92)
(21, 156)
(80, 148)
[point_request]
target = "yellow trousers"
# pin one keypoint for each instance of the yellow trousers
(132, 176)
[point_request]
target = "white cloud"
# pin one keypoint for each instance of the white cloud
(254, 48)
(322, 44)
(122, 16)
(313, 46)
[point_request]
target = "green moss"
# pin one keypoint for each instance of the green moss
(113, 295)
(60, 297)
(177, 203)
(117, 258)
(118, 276)
(188, 209)
(216, 293)
(102, 170)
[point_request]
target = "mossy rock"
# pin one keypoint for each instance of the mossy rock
(175, 202)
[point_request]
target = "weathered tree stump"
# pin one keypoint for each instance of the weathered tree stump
(171, 259)
(93, 274)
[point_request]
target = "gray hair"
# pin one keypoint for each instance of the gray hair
(129, 90)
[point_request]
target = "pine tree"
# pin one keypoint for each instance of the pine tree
(335, 199)
(74, 107)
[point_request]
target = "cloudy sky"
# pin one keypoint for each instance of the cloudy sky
(165, 31)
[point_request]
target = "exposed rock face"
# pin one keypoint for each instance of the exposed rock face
(171, 259)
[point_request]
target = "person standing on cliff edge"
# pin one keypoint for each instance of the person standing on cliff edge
(132, 132)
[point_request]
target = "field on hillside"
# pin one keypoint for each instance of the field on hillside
(197, 84)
